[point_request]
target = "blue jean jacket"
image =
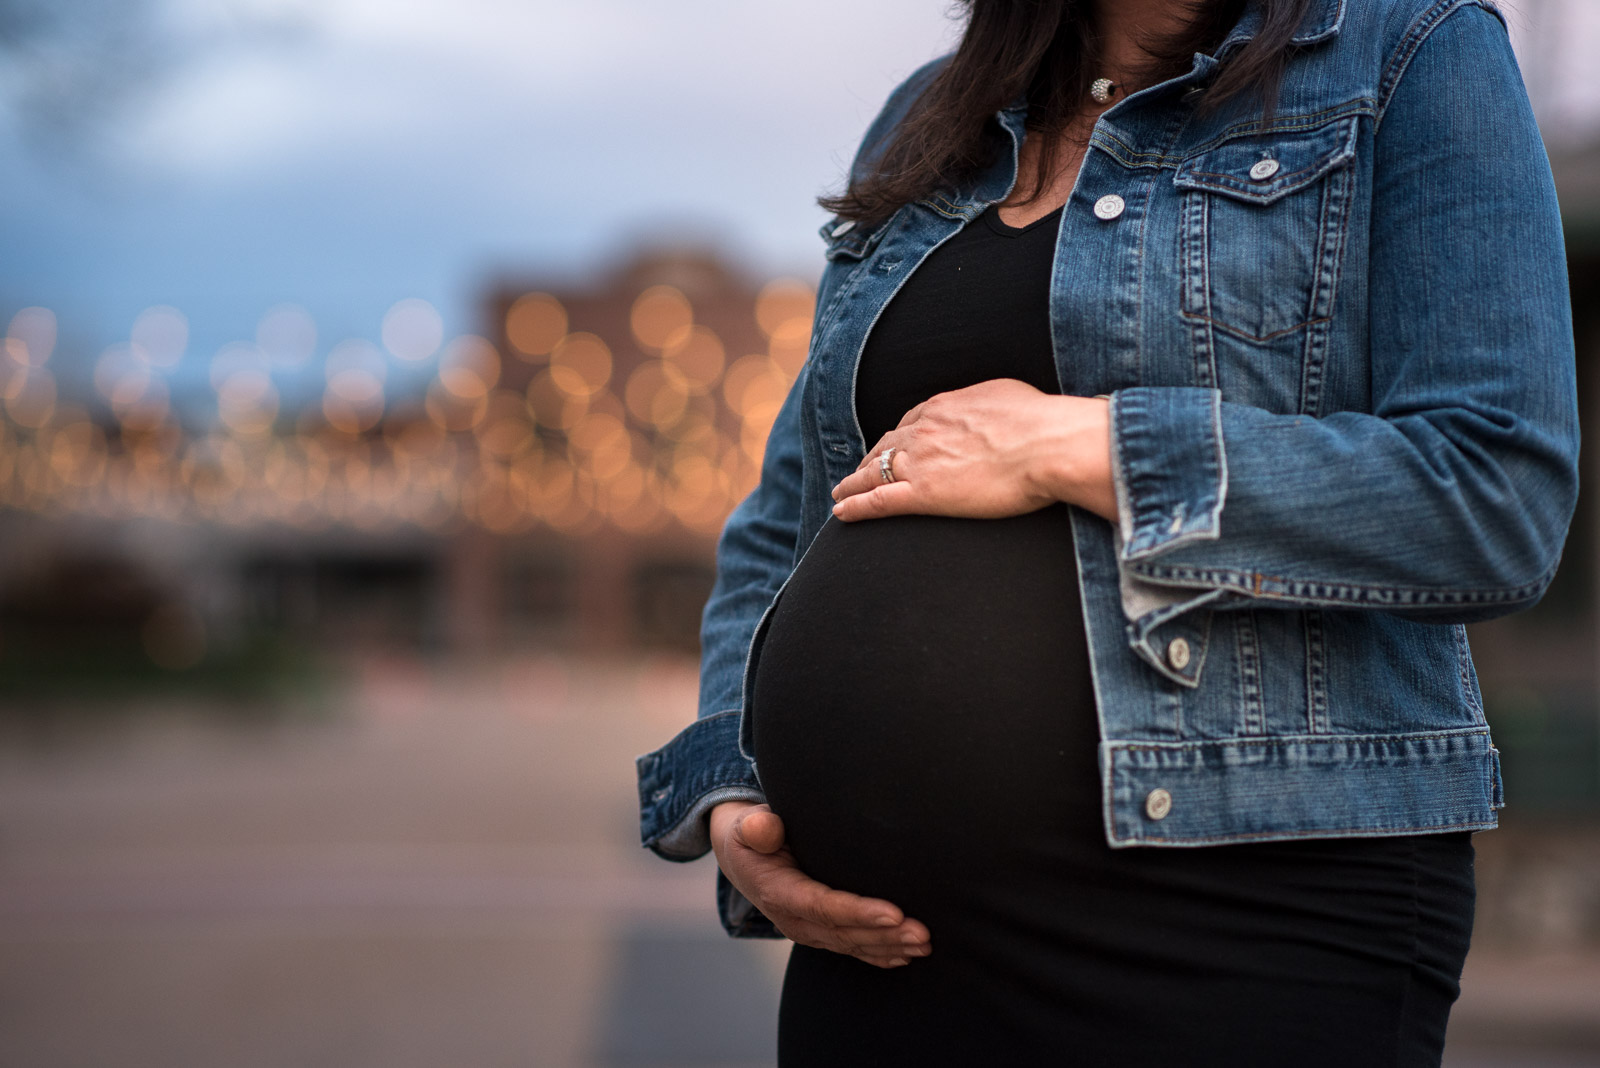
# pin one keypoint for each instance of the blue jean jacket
(1344, 422)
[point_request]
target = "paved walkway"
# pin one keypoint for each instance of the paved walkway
(441, 870)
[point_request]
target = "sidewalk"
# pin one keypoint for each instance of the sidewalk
(445, 871)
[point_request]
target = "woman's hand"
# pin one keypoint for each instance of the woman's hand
(995, 449)
(748, 841)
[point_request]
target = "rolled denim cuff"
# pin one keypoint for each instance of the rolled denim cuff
(740, 918)
(681, 782)
(1168, 466)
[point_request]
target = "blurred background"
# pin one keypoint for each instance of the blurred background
(376, 377)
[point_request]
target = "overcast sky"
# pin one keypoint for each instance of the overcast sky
(346, 154)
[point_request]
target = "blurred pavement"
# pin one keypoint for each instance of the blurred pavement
(442, 869)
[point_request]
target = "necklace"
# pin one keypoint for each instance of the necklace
(1101, 90)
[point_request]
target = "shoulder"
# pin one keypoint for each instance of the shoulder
(901, 101)
(1393, 22)
(1377, 40)
(1471, 35)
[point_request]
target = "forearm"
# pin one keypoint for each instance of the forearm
(1452, 514)
(1073, 457)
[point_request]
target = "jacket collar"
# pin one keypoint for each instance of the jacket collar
(1321, 22)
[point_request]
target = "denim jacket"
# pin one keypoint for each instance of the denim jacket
(1344, 423)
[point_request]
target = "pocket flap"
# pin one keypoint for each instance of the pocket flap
(1261, 168)
(850, 238)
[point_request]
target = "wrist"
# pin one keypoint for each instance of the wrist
(1075, 462)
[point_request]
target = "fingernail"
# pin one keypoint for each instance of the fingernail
(837, 507)
(899, 962)
(910, 939)
(886, 921)
(919, 951)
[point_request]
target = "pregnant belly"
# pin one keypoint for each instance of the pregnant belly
(922, 709)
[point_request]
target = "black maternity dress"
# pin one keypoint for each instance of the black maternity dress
(924, 722)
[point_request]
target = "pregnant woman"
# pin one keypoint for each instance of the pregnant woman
(1086, 680)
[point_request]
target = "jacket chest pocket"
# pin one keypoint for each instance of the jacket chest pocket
(1261, 228)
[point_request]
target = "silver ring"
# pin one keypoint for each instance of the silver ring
(886, 463)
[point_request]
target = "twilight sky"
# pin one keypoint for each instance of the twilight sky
(342, 155)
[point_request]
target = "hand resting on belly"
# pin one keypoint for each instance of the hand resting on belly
(748, 841)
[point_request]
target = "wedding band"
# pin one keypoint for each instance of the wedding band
(886, 463)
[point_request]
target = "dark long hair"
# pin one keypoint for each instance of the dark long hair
(1049, 51)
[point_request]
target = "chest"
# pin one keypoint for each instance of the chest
(1188, 254)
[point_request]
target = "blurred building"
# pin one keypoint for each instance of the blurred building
(559, 481)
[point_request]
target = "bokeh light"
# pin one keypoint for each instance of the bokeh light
(580, 364)
(31, 336)
(534, 324)
(412, 329)
(665, 429)
(659, 313)
(161, 334)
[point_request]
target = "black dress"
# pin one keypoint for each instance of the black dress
(924, 722)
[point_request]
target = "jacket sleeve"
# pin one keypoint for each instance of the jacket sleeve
(703, 766)
(1448, 502)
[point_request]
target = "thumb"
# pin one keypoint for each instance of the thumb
(761, 830)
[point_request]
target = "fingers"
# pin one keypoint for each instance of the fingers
(863, 480)
(892, 498)
(884, 948)
(808, 911)
(761, 829)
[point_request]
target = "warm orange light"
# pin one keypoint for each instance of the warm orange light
(789, 343)
(534, 324)
(247, 403)
(346, 417)
(657, 393)
(472, 355)
(140, 404)
(505, 431)
(782, 300)
(31, 397)
(580, 364)
(658, 313)
(697, 352)
(754, 380)
(551, 405)
(452, 411)
(77, 451)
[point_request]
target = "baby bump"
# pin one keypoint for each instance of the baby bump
(921, 708)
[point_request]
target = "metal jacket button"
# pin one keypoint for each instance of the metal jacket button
(1178, 653)
(1264, 169)
(1157, 803)
(1109, 206)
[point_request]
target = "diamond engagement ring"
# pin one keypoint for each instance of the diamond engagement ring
(886, 463)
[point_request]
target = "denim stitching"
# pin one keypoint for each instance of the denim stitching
(1248, 644)
(1336, 593)
(1418, 32)
(1321, 832)
(1316, 672)
(1296, 739)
